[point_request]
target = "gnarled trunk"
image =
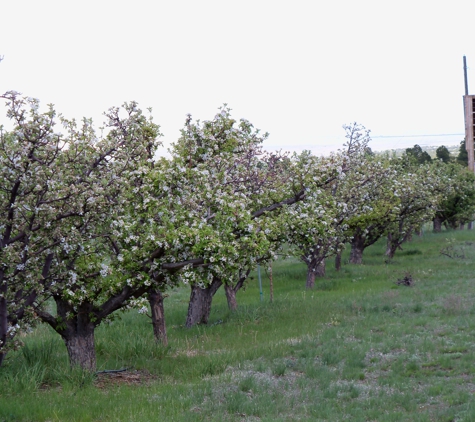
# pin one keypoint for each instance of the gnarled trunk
(231, 297)
(390, 249)
(357, 248)
(395, 240)
(199, 306)
(155, 299)
(315, 268)
(80, 346)
(77, 331)
(232, 289)
(437, 224)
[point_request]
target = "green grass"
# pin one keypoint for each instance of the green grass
(357, 347)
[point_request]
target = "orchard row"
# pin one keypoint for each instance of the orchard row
(94, 222)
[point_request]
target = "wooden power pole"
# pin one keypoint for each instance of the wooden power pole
(465, 74)
(469, 113)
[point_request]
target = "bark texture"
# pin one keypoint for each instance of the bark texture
(391, 246)
(76, 324)
(315, 268)
(390, 250)
(310, 284)
(338, 261)
(357, 249)
(395, 240)
(231, 297)
(199, 306)
(80, 346)
(437, 224)
(77, 332)
(155, 299)
(320, 270)
(232, 289)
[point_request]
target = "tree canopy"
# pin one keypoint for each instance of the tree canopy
(443, 154)
(417, 155)
(95, 223)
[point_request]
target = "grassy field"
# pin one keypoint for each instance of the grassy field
(359, 348)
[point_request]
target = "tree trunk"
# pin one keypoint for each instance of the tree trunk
(470, 225)
(231, 297)
(461, 226)
(199, 306)
(320, 271)
(395, 241)
(314, 269)
(77, 331)
(453, 224)
(437, 224)
(338, 261)
(419, 232)
(232, 289)
(357, 248)
(155, 299)
(310, 279)
(80, 345)
(3, 324)
(390, 250)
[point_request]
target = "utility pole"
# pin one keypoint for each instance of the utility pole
(465, 74)
(469, 114)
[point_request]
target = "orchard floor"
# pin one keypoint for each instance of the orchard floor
(359, 347)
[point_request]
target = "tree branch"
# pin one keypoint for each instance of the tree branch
(298, 197)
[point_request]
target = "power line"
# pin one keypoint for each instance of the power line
(417, 136)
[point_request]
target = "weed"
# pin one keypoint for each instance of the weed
(77, 377)
(279, 369)
(453, 249)
(247, 384)
(39, 353)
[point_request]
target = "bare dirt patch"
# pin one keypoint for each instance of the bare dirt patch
(129, 377)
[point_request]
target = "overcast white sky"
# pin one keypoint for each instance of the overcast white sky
(297, 69)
